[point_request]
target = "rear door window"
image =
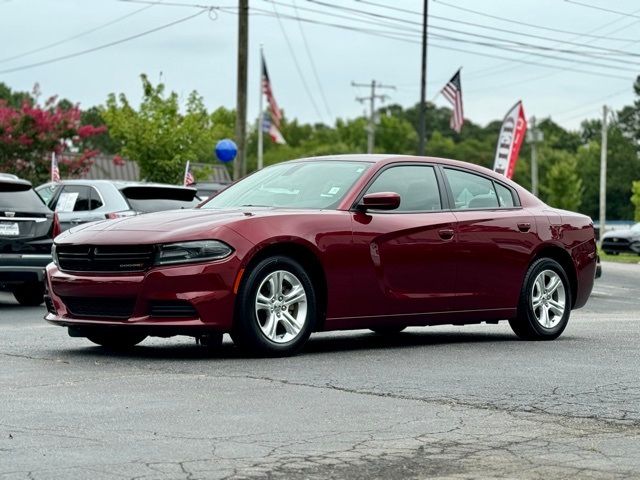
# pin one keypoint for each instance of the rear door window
(74, 198)
(471, 191)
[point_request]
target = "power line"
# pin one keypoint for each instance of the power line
(295, 61)
(390, 35)
(516, 43)
(78, 35)
(518, 22)
(598, 100)
(313, 65)
(103, 46)
(602, 9)
(492, 28)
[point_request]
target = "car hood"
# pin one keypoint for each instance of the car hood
(167, 226)
(628, 234)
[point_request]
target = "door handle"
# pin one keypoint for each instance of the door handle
(524, 227)
(446, 233)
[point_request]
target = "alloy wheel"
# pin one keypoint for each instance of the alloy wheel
(281, 306)
(548, 298)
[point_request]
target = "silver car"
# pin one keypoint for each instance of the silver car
(618, 241)
(81, 201)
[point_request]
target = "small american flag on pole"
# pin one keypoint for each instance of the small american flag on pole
(189, 179)
(452, 91)
(273, 128)
(55, 171)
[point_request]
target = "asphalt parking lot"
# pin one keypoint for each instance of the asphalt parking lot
(443, 402)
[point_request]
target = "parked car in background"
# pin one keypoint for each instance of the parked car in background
(27, 228)
(627, 240)
(82, 201)
(329, 243)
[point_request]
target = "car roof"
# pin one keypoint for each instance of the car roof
(389, 158)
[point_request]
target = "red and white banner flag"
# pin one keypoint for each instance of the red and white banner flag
(55, 170)
(510, 140)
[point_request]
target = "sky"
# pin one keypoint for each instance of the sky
(582, 56)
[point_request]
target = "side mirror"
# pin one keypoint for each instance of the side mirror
(380, 201)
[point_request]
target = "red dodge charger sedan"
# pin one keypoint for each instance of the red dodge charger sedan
(328, 243)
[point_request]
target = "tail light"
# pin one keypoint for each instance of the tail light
(123, 214)
(56, 226)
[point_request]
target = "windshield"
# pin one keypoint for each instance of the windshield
(316, 185)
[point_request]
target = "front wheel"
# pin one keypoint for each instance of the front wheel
(545, 302)
(276, 309)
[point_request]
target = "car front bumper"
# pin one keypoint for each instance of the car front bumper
(165, 300)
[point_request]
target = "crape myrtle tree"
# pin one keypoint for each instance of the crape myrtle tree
(159, 136)
(30, 132)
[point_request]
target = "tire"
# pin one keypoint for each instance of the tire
(545, 302)
(388, 330)
(261, 325)
(117, 340)
(30, 294)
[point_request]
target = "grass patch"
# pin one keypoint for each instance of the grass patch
(620, 258)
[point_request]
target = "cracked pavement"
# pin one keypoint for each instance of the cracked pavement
(435, 402)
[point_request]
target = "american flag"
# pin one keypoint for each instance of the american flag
(189, 179)
(55, 171)
(273, 126)
(452, 91)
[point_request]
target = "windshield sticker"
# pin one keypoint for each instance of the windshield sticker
(334, 190)
(66, 202)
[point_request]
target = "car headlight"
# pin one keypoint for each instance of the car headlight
(188, 252)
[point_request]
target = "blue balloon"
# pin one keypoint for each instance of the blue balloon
(226, 150)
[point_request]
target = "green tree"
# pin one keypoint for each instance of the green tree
(562, 187)
(635, 199)
(159, 137)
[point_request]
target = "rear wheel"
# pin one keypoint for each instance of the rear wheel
(117, 340)
(545, 302)
(277, 308)
(29, 294)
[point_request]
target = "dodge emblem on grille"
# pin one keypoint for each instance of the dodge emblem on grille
(131, 265)
(9, 214)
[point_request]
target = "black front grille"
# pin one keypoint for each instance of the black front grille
(100, 307)
(105, 258)
(172, 309)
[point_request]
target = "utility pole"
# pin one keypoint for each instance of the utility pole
(534, 136)
(603, 173)
(371, 130)
(240, 164)
(423, 80)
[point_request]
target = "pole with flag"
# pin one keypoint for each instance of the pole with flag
(452, 91)
(271, 122)
(189, 179)
(510, 140)
(55, 170)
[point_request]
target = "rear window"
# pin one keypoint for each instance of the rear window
(156, 199)
(17, 197)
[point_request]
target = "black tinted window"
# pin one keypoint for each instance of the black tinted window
(22, 201)
(416, 185)
(160, 204)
